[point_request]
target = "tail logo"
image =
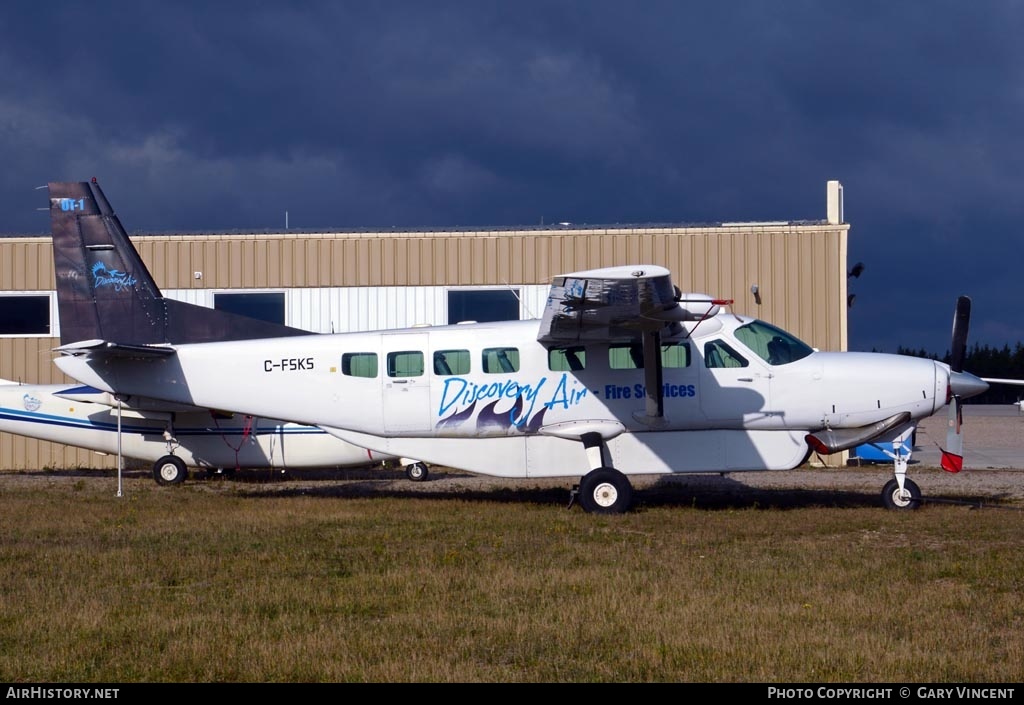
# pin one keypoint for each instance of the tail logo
(101, 276)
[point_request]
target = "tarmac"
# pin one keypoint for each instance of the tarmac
(993, 437)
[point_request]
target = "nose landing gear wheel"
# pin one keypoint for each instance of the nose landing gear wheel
(893, 499)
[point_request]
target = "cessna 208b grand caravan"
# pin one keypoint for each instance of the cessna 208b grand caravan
(175, 437)
(623, 375)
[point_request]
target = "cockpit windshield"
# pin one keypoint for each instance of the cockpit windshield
(773, 345)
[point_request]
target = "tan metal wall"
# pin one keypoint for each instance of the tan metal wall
(800, 270)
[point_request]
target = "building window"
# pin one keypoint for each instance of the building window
(27, 314)
(359, 364)
(262, 305)
(483, 305)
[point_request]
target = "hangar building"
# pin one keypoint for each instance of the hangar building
(358, 280)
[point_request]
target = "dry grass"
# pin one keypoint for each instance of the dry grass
(307, 582)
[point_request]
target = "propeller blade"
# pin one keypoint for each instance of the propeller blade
(953, 453)
(961, 322)
(961, 385)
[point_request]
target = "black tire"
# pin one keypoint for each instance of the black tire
(892, 499)
(605, 491)
(169, 470)
(417, 472)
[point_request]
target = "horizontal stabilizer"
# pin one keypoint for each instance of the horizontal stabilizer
(120, 350)
(831, 440)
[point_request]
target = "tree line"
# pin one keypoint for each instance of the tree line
(983, 361)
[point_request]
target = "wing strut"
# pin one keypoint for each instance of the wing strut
(654, 394)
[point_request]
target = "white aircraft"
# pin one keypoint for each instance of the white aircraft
(623, 375)
(175, 437)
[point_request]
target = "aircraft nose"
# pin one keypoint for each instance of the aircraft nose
(966, 385)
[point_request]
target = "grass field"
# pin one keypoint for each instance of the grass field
(315, 581)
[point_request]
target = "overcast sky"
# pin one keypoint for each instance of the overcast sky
(211, 116)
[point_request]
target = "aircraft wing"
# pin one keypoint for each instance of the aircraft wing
(637, 302)
(617, 302)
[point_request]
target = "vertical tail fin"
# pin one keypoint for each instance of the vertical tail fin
(105, 292)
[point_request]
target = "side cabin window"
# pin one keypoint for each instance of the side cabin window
(571, 359)
(451, 362)
(359, 364)
(675, 355)
(718, 354)
(626, 356)
(773, 345)
(500, 360)
(405, 363)
(630, 356)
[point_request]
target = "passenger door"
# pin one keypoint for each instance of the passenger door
(406, 390)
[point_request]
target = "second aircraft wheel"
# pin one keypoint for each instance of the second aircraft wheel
(417, 472)
(169, 470)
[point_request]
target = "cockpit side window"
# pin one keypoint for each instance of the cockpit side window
(718, 354)
(773, 345)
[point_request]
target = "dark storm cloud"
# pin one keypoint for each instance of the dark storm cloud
(383, 114)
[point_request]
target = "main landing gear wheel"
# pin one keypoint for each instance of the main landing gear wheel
(417, 472)
(169, 470)
(893, 499)
(605, 491)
